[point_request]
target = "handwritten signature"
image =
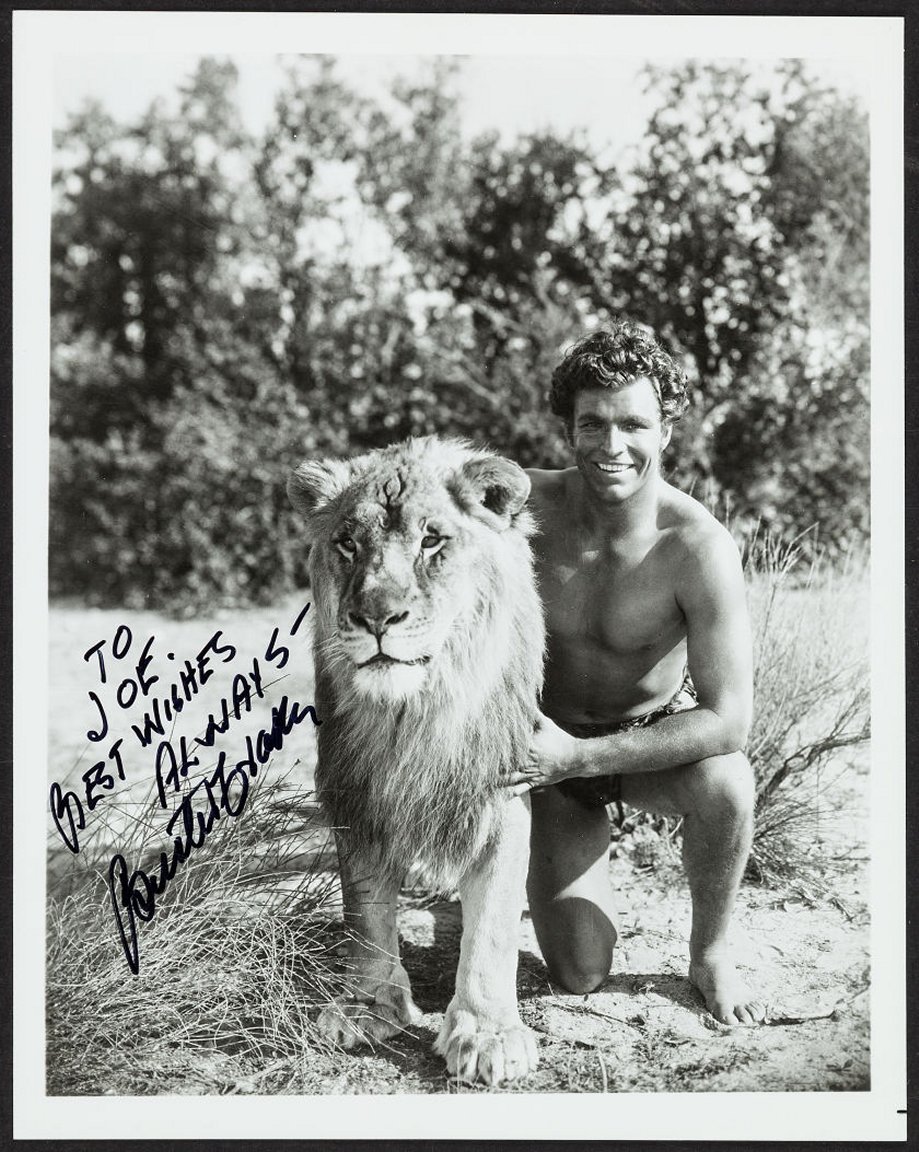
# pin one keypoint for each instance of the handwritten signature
(194, 808)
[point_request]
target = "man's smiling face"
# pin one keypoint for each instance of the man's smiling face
(618, 436)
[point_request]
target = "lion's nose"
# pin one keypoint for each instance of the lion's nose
(377, 625)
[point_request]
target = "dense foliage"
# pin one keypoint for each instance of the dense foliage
(226, 303)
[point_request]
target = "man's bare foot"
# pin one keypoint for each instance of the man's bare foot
(724, 992)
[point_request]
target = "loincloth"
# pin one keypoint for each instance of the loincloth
(598, 791)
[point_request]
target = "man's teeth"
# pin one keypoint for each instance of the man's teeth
(613, 467)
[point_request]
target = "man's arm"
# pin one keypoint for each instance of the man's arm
(712, 597)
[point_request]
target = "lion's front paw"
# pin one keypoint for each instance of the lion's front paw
(348, 1023)
(478, 1049)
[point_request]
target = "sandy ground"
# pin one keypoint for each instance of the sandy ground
(647, 1029)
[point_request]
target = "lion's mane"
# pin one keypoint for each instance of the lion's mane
(418, 779)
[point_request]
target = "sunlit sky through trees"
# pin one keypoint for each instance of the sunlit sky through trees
(508, 94)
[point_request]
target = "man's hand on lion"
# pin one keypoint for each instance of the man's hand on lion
(553, 755)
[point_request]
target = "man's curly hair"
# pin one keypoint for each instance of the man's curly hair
(612, 358)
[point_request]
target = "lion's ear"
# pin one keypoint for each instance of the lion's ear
(315, 482)
(498, 485)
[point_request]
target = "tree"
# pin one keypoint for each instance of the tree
(147, 355)
(740, 237)
(227, 303)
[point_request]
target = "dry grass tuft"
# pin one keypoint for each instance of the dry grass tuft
(238, 955)
(812, 707)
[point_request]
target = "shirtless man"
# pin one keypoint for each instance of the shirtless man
(640, 584)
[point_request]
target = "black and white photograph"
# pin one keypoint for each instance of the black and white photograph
(458, 501)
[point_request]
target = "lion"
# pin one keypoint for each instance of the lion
(429, 643)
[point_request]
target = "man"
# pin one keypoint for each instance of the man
(648, 687)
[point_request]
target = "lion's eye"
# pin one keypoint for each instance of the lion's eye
(347, 547)
(432, 543)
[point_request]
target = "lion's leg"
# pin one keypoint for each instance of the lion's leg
(482, 1035)
(380, 1001)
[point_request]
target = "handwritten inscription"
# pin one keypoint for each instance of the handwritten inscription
(194, 802)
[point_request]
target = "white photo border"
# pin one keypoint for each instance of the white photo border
(872, 42)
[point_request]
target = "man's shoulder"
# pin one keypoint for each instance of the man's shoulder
(548, 485)
(697, 532)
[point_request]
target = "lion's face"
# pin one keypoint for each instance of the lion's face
(402, 541)
(399, 581)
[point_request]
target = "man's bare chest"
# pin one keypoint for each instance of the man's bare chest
(622, 604)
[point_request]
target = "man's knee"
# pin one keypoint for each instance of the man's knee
(580, 974)
(722, 787)
(576, 936)
(577, 982)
